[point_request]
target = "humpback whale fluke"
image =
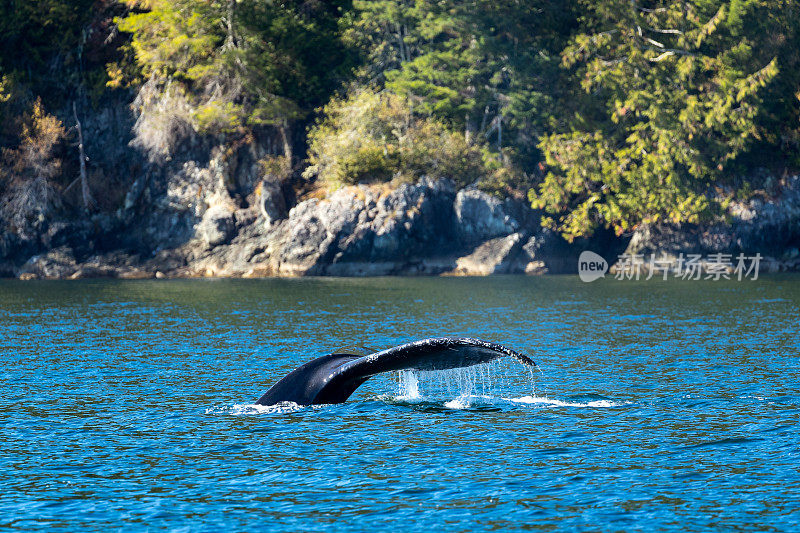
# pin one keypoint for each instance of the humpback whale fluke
(333, 378)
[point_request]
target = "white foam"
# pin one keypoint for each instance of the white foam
(458, 403)
(494, 379)
(559, 403)
(460, 388)
(252, 409)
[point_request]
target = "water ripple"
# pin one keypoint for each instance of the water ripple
(660, 407)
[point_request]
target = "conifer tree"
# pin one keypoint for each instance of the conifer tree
(241, 63)
(667, 97)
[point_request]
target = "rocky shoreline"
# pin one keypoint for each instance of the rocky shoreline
(186, 219)
(765, 224)
(427, 228)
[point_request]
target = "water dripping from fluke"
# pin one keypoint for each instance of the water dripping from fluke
(333, 378)
(464, 387)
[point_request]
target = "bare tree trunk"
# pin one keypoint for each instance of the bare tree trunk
(482, 129)
(401, 44)
(85, 192)
(287, 142)
(230, 38)
(500, 132)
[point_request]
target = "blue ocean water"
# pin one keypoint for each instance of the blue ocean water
(660, 406)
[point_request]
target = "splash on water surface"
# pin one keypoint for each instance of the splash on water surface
(459, 388)
(255, 409)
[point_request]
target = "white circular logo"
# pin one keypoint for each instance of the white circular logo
(591, 266)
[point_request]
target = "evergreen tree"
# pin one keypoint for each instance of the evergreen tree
(54, 49)
(241, 63)
(483, 67)
(669, 96)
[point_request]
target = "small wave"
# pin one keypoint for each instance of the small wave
(254, 409)
(731, 441)
(458, 403)
(559, 403)
(464, 402)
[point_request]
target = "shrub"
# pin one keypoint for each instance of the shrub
(29, 169)
(375, 137)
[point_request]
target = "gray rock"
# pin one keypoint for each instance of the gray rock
(495, 256)
(480, 216)
(217, 226)
(55, 264)
(360, 269)
(413, 220)
(312, 230)
(8, 244)
(360, 225)
(102, 271)
(432, 266)
(767, 226)
(271, 202)
(7, 269)
(547, 251)
(166, 260)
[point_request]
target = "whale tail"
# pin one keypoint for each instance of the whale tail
(333, 378)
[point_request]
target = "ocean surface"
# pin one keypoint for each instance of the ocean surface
(657, 406)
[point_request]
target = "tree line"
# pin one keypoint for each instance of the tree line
(603, 113)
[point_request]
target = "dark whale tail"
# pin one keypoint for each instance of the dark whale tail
(333, 378)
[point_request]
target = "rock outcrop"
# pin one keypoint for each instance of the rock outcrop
(217, 226)
(769, 226)
(412, 229)
(495, 256)
(480, 217)
(423, 228)
(374, 229)
(226, 206)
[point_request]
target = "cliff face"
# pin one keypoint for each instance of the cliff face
(181, 205)
(214, 213)
(424, 228)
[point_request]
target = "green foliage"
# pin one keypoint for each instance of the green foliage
(33, 32)
(614, 113)
(181, 43)
(241, 63)
(484, 67)
(773, 26)
(671, 98)
(55, 49)
(375, 137)
(176, 39)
